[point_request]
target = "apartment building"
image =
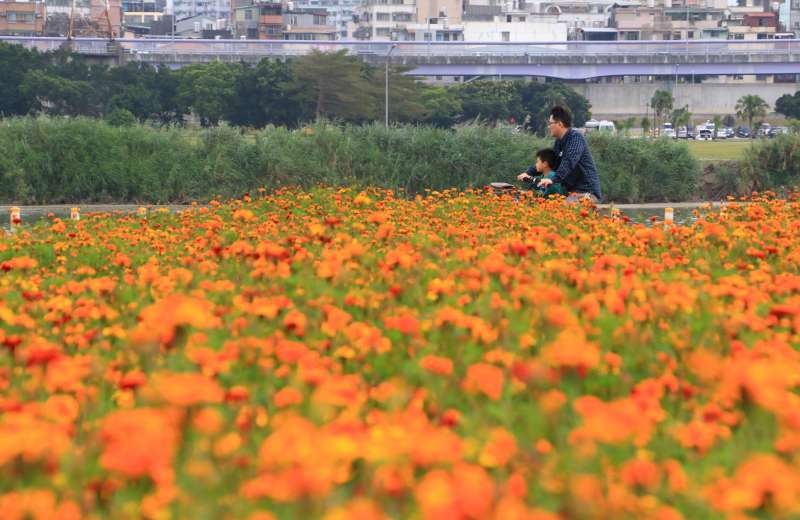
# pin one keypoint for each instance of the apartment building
(386, 20)
(307, 24)
(259, 21)
(340, 12)
(22, 18)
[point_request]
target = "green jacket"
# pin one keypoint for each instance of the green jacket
(554, 189)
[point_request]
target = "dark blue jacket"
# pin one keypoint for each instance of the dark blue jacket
(576, 169)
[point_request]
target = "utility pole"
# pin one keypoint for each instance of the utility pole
(386, 90)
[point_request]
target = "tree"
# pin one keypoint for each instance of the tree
(132, 87)
(489, 100)
(750, 107)
(789, 105)
(645, 126)
(681, 117)
(331, 85)
(264, 95)
(729, 120)
(208, 90)
(405, 95)
(15, 62)
(661, 102)
(57, 95)
(171, 108)
(442, 107)
(629, 124)
(538, 99)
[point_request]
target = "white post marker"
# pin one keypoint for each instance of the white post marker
(74, 214)
(668, 216)
(15, 218)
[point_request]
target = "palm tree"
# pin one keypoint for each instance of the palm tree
(750, 107)
(681, 117)
(662, 103)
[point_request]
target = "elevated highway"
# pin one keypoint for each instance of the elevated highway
(569, 60)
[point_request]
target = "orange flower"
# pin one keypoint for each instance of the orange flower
(140, 442)
(437, 365)
(762, 480)
(466, 493)
(486, 379)
(613, 423)
(357, 509)
(160, 321)
(287, 396)
(571, 350)
(185, 389)
(500, 448)
(640, 473)
(37, 504)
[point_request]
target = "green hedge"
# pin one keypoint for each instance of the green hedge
(769, 164)
(51, 160)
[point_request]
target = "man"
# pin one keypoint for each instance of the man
(576, 170)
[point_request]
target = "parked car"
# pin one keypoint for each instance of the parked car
(668, 131)
(705, 135)
(743, 131)
(776, 131)
(683, 133)
(724, 133)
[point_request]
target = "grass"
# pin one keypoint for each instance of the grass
(729, 150)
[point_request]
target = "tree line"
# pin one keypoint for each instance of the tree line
(330, 86)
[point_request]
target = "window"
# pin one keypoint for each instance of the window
(382, 17)
(506, 36)
(382, 31)
(427, 36)
(17, 17)
(690, 35)
(248, 14)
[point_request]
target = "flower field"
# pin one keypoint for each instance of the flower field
(348, 355)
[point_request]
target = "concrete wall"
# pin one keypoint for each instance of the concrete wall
(631, 99)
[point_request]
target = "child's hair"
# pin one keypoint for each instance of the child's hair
(549, 156)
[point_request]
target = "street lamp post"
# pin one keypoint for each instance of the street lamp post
(386, 90)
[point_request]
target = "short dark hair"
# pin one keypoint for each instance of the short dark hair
(549, 156)
(561, 115)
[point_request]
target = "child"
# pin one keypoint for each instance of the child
(546, 162)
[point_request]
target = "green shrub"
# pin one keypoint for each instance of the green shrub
(121, 117)
(52, 160)
(633, 170)
(771, 164)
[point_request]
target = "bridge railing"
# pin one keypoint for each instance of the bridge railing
(443, 49)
